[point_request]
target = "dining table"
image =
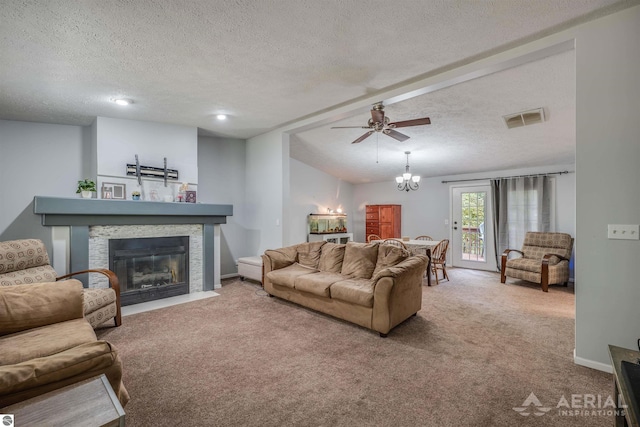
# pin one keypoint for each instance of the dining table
(421, 247)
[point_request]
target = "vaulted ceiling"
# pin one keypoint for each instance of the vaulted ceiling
(270, 62)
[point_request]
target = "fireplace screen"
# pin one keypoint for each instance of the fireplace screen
(150, 268)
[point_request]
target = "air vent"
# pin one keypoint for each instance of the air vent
(524, 118)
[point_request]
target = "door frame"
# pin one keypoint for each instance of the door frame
(490, 263)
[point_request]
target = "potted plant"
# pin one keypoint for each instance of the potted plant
(86, 187)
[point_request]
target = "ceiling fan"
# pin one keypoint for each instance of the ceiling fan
(380, 123)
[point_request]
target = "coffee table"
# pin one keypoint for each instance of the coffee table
(90, 402)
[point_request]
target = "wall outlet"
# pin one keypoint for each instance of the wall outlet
(623, 232)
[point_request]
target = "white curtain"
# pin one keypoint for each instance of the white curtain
(521, 204)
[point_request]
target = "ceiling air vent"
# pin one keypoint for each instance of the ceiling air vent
(524, 118)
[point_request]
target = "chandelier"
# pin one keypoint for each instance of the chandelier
(407, 181)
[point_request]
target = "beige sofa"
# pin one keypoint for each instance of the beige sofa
(371, 285)
(46, 343)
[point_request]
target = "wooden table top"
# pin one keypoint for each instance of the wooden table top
(618, 354)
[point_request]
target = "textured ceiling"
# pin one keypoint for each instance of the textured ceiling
(271, 62)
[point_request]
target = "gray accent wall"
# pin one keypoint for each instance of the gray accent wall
(221, 179)
(36, 159)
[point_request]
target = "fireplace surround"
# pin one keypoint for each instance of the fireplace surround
(86, 219)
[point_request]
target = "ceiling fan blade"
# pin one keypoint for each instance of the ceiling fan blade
(414, 122)
(350, 127)
(363, 137)
(396, 135)
(377, 116)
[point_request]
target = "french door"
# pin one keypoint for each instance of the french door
(472, 243)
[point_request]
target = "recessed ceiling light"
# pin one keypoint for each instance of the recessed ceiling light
(221, 117)
(123, 101)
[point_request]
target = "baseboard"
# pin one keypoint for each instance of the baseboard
(217, 286)
(229, 276)
(604, 367)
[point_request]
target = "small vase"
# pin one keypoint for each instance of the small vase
(86, 194)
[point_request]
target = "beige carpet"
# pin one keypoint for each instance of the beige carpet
(476, 350)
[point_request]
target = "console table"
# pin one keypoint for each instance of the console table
(620, 387)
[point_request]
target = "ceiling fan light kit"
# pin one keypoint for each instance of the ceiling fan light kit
(407, 181)
(380, 123)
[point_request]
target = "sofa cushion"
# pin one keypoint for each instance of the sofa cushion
(96, 298)
(286, 276)
(317, 283)
(331, 257)
(45, 341)
(91, 356)
(355, 291)
(360, 260)
(39, 304)
(43, 273)
(309, 253)
(388, 256)
(282, 257)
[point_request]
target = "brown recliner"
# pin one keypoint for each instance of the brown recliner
(544, 259)
(26, 261)
(46, 343)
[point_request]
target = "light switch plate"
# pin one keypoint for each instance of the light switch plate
(624, 232)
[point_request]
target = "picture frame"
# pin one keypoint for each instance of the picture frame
(112, 190)
(190, 196)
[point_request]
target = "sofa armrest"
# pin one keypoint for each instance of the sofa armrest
(398, 293)
(114, 284)
(275, 259)
(503, 263)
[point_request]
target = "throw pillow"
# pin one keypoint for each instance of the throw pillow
(331, 258)
(309, 253)
(360, 260)
(388, 256)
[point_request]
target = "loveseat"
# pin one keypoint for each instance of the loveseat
(46, 343)
(371, 285)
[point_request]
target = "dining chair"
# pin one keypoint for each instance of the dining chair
(373, 237)
(439, 259)
(394, 242)
(423, 238)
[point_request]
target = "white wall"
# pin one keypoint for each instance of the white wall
(37, 159)
(313, 191)
(607, 156)
(118, 141)
(425, 210)
(221, 178)
(267, 174)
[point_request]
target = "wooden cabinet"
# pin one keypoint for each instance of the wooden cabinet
(383, 220)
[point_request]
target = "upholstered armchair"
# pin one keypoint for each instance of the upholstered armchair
(26, 261)
(544, 259)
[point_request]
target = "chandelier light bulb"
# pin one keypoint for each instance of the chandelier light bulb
(407, 182)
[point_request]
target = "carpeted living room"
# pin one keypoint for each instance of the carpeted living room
(474, 352)
(350, 212)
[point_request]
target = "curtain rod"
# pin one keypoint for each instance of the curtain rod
(509, 177)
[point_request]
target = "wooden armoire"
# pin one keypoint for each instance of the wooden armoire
(384, 221)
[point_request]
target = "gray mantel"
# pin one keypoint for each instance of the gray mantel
(79, 214)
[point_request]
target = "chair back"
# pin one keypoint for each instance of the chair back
(373, 237)
(24, 261)
(423, 238)
(537, 244)
(394, 242)
(439, 252)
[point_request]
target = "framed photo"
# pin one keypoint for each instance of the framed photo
(190, 196)
(112, 190)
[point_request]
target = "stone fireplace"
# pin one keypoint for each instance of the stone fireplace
(94, 223)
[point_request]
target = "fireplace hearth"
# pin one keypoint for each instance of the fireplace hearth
(150, 268)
